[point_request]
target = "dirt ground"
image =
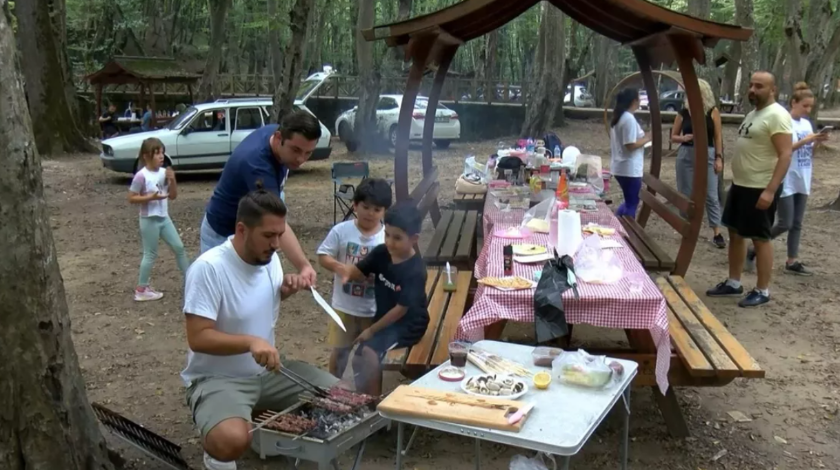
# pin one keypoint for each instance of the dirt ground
(132, 353)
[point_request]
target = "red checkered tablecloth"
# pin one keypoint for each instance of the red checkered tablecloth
(602, 305)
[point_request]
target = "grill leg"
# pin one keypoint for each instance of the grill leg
(359, 454)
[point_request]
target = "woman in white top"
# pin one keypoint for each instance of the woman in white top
(627, 141)
(797, 183)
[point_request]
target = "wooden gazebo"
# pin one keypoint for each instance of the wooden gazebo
(143, 72)
(657, 35)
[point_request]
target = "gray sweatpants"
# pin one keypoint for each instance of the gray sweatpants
(791, 210)
(685, 178)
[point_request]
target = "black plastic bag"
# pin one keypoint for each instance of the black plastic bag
(557, 277)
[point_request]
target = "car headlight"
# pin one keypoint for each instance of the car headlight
(107, 150)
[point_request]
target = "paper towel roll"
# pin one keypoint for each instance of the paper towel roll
(569, 235)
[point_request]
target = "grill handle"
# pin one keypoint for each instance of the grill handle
(291, 449)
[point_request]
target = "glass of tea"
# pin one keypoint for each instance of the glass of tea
(458, 351)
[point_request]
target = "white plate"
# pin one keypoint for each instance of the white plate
(503, 397)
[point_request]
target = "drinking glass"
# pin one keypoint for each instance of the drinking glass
(458, 351)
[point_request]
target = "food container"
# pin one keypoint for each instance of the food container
(544, 356)
(542, 380)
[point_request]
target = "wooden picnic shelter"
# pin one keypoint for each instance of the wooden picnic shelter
(704, 353)
(143, 72)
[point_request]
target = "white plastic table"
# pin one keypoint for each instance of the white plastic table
(560, 423)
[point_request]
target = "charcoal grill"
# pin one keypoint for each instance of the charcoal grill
(158, 447)
(323, 448)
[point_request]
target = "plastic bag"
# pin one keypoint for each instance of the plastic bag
(557, 276)
(474, 171)
(538, 217)
(588, 169)
(583, 369)
(520, 462)
(595, 265)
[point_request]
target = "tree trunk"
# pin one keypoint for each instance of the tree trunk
(284, 95)
(490, 72)
(548, 94)
(208, 88)
(50, 91)
(365, 122)
(730, 71)
(274, 42)
(404, 9)
(744, 16)
(45, 419)
(605, 57)
(703, 9)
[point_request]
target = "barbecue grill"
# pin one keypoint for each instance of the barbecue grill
(333, 435)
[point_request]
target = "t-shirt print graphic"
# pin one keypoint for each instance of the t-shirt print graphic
(353, 254)
(744, 130)
(803, 155)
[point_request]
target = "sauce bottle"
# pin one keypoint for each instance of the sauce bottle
(508, 260)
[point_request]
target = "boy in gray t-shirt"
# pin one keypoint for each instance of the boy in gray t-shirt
(347, 244)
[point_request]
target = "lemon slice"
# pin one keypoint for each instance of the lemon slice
(541, 380)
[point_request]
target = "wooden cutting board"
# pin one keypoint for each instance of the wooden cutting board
(453, 407)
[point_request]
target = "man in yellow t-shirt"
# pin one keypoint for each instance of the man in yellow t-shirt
(762, 157)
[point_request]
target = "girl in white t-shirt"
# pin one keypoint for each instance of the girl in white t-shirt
(627, 141)
(150, 188)
(797, 184)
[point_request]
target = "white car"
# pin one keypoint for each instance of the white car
(447, 126)
(202, 137)
(582, 98)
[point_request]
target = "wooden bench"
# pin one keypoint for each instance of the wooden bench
(648, 252)
(470, 202)
(454, 240)
(445, 311)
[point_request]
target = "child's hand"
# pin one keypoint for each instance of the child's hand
(170, 174)
(343, 272)
(157, 196)
(366, 335)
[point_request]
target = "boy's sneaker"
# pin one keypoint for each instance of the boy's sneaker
(749, 265)
(754, 299)
(719, 241)
(798, 269)
(145, 294)
(212, 464)
(725, 290)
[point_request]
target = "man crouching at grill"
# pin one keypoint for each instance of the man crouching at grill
(232, 302)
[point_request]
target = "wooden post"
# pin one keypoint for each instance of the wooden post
(143, 99)
(418, 50)
(644, 60)
(686, 49)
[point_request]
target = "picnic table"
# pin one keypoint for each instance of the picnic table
(640, 311)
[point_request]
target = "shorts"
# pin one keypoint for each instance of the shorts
(338, 338)
(742, 217)
(395, 336)
(215, 399)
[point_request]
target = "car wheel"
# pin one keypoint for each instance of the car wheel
(442, 144)
(346, 136)
(670, 107)
(392, 136)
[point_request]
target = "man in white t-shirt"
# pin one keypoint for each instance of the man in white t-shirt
(232, 302)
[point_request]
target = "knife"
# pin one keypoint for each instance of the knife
(324, 305)
(523, 411)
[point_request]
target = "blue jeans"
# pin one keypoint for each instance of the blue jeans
(631, 187)
(209, 238)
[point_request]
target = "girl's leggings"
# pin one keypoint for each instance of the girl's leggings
(152, 229)
(631, 187)
(791, 211)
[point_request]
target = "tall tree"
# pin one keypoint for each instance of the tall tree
(548, 95)
(745, 16)
(45, 419)
(49, 86)
(365, 122)
(284, 94)
(274, 42)
(605, 54)
(208, 87)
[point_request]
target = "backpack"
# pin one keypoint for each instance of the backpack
(551, 141)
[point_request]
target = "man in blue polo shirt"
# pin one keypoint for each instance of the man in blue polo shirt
(262, 160)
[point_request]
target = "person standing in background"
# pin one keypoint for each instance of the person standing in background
(761, 161)
(683, 134)
(627, 141)
(108, 122)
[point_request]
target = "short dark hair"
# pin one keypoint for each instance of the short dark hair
(254, 205)
(405, 217)
(300, 122)
(373, 191)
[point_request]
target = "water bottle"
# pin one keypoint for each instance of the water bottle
(529, 146)
(557, 152)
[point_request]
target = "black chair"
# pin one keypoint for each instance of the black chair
(343, 192)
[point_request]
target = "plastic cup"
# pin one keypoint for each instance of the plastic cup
(458, 351)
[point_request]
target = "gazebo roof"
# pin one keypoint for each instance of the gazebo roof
(132, 69)
(630, 22)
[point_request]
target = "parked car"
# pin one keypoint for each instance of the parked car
(447, 126)
(671, 100)
(643, 99)
(202, 137)
(582, 98)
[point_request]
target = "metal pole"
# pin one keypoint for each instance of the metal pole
(478, 454)
(625, 441)
(566, 462)
(399, 445)
(359, 454)
(410, 441)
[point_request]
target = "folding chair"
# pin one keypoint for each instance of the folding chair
(343, 192)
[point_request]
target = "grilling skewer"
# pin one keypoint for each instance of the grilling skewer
(303, 383)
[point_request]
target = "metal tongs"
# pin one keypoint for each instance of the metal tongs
(303, 383)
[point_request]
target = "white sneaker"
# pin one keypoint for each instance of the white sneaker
(145, 294)
(212, 464)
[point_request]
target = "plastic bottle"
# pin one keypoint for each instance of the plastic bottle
(557, 153)
(562, 193)
(508, 260)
